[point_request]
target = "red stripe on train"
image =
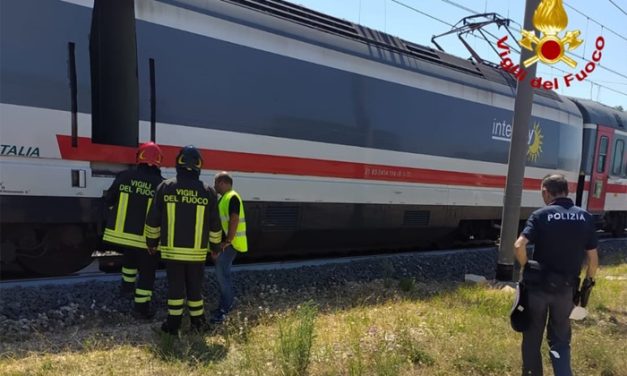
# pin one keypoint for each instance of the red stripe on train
(616, 188)
(273, 164)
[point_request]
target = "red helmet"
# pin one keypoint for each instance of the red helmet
(150, 154)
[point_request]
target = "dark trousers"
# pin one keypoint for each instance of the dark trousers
(557, 306)
(185, 281)
(145, 283)
(130, 264)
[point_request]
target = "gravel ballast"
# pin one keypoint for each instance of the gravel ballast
(36, 309)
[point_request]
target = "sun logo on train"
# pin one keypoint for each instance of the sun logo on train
(535, 143)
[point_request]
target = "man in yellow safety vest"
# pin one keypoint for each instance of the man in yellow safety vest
(233, 221)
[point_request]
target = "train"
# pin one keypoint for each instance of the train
(340, 138)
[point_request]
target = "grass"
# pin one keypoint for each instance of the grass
(296, 334)
(384, 327)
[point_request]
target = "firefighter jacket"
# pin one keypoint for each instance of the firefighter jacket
(128, 200)
(184, 219)
(240, 243)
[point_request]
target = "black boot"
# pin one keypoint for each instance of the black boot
(143, 311)
(172, 325)
(199, 324)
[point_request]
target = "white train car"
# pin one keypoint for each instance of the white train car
(340, 137)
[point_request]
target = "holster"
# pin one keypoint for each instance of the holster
(586, 289)
(536, 276)
(532, 274)
(576, 292)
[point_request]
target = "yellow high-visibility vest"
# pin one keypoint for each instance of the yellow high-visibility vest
(240, 243)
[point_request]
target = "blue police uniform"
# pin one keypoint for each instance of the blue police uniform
(562, 233)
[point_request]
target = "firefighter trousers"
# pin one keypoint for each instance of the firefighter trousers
(145, 283)
(185, 281)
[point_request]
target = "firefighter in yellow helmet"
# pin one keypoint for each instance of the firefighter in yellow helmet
(128, 200)
(183, 220)
(233, 222)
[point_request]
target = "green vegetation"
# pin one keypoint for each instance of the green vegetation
(385, 327)
(296, 334)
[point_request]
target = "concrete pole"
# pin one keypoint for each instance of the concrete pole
(517, 158)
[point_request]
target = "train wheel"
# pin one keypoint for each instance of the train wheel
(59, 250)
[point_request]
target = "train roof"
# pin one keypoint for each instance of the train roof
(445, 65)
(338, 26)
(597, 113)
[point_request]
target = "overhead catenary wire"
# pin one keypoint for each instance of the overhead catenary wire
(472, 11)
(421, 12)
(517, 51)
(597, 22)
(594, 82)
(591, 82)
(578, 56)
(612, 82)
(619, 8)
(598, 64)
(445, 22)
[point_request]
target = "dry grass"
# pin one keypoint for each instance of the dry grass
(385, 327)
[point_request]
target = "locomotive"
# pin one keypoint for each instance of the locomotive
(340, 138)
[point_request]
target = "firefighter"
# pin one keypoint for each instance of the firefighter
(564, 235)
(233, 223)
(128, 200)
(183, 219)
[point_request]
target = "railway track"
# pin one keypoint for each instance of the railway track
(92, 297)
(92, 272)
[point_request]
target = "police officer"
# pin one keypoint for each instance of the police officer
(233, 223)
(184, 220)
(564, 235)
(128, 199)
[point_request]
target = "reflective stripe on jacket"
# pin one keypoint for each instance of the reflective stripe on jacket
(183, 219)
(128, 199)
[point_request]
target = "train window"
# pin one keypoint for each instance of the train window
(617, 165)
(602, 154)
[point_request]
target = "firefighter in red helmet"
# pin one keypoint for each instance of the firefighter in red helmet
(128, 200)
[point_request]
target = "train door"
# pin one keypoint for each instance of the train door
(598, 181)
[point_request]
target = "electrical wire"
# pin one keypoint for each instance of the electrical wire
(570, 53)
(619, 8)
(470, 10)
(421, 12)
(596, 22)
(594, 82)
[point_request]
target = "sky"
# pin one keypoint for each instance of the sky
(606, 84)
